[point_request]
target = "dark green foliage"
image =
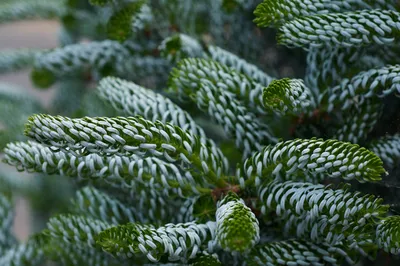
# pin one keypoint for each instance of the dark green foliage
(42, 78)
(119, 27)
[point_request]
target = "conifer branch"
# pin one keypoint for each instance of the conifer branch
(70, 238)
(6, 221)
(76, 230)
(132, 99)
(156, 208)
(272, 12)
(149, 71)
(19, 10)
(68, 255)
(237, 227)
(12, 60)
(119, 171)
(388, 234)
(289, 96)
(126, 136)
(299, 252)
(130, 18)
(389, 54)
(388, 149)
(156, 189)
(359, 120)
(205, 259)
(70, 59)
(379, 82)
(351, 29)
(23, 254)
(322, 214)
(236, 120)
(171, 242)
(100, 206)
(326, 66)
(326, 158)
(181, 46)
(369, 61)
(190, 73)
(240, 65)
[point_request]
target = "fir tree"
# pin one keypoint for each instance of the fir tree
(274, 179)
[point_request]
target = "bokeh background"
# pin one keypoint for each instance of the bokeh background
(26, 34)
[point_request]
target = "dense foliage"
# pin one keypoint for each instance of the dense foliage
(278, 177)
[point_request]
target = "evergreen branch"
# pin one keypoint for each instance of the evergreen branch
(100, 206)
(237, 226)
(68, 255)
(272, 12)
(388, 149)
(118, 171)
(70, 59)
(327, 158)
(131, 99)
(12, 60)
(6, 221)
(185, 213)
(23, 254)
(130, 18)
(388, 236)
(19, 10)
(351, 29)
(170, 242)
(240, 65)
(369, 61)
(142, 18)
(359, 120)
(75, 230)
(322, 214)
(389, 54)
(288, 96)
(379, 82)
(149, 71)
(327, 66)
(154, 208)
(150, 206)
(182, 46)
(205, 259)
(6, 213)
(70, 239)
(299, 252)
(237, 121)
(338, 207)
(124, 96)
(126, 136)
(192, 72)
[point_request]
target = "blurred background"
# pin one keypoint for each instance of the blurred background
(26, 34)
